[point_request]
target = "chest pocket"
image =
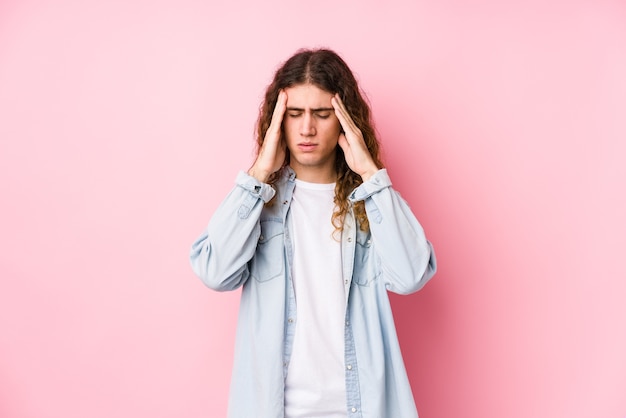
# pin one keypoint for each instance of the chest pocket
(268, 261)
(366, 268)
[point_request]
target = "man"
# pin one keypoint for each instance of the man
(316, 236)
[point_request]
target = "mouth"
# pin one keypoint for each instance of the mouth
(306, 146)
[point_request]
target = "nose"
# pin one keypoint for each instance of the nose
(307, 128)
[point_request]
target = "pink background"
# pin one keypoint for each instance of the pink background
(124, 123)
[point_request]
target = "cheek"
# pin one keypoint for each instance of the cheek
(334, 126)
(289, 128)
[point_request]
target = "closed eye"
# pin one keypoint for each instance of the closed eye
(323, 115)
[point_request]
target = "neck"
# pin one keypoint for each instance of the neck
(315, 174)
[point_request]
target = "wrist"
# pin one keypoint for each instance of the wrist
(365, 176)
(260, 175)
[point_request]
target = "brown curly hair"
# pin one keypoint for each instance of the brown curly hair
(326, 70)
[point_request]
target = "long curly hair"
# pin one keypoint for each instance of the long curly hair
(326, 70)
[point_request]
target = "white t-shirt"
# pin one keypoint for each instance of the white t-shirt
(315, 384)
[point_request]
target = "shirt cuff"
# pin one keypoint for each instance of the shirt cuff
(379, 181)
(256, 188)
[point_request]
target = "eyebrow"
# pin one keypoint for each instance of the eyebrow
(317, 109)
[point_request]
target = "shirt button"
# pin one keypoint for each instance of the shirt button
(347, 322)
(353, 409)
(349, 367)
(261, 238)
(285, 202)
(349, 239)
(290, 320)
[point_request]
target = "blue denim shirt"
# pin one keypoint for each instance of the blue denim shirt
(247, 243)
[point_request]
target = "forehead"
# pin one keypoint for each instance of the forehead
(307, 96)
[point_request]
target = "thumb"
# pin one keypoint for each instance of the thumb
(343, 142)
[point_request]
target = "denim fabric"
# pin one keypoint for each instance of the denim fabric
(247, 244)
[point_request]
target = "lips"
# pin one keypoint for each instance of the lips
(307, 146)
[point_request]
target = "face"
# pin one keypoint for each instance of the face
(311, 132)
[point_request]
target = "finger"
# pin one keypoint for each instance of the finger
(343, 143)
(339, 109)
(343, 110)
(279, 110)
(343, 115)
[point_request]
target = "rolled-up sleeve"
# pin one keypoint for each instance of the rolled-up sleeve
(220, 254)
(398, 240)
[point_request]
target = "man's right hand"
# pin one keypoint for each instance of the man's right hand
(272, 153)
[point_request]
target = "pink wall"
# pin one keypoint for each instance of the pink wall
(123, 124)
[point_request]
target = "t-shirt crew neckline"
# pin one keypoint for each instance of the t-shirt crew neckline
(315, 186)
